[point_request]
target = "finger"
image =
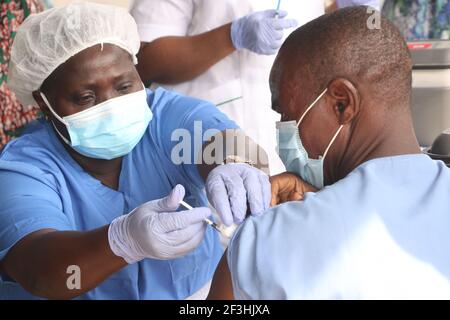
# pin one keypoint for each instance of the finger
(281, 24)
(296, 196)
(277, 35)
(253, 189)
(191, 243)
(284, 197)
(266, 190)
(269, 51)
(272, 13)
(218, 197)
(179, 237)
(171, 221)
(275, 189)
(172, 201)
(274, 201)
(237, 197)
(275, 45)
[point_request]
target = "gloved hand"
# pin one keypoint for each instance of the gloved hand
(348, 3)
(261, 32)
(155, 230)
(229, 187)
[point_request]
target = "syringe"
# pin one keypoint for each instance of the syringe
(208, 221)
(278, 9)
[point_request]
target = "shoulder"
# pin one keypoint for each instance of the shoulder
(173, 110)
(304, 234)
(33, 155)
(162, 100)
(34, 142)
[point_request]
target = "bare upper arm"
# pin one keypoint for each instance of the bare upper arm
(222, 288)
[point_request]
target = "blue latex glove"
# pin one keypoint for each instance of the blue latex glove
(261, 32)
(348, 3)
(229, 187)
(156, 230)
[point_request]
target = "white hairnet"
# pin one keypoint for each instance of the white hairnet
(46, 40)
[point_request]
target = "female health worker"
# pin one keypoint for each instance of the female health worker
(92, 192)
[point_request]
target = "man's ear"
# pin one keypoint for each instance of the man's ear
(37, 97)
(345, 98)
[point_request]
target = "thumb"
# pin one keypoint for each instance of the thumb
(172, 201)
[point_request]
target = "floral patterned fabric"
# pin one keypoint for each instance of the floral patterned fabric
(420, 19)
(13, 116)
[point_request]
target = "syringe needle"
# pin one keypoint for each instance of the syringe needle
(208, 221)
(277, 14)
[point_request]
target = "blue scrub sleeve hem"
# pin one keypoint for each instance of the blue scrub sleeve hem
(39, 224)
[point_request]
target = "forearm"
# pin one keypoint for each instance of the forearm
(171, 60)
(40, 262)
(232, 143)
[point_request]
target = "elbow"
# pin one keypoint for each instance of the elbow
(150, 73)
(52, 288)
(158, 62)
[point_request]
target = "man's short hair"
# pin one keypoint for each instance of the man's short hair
(347, 43)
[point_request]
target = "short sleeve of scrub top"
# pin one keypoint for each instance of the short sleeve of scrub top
(160, 18)
(43, 187)
(28, 202)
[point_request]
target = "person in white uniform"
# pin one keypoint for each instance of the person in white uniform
(377, 227)
(190, 46)
(222, 51)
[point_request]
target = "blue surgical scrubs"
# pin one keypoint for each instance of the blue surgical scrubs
(382, 232)
(42, 187)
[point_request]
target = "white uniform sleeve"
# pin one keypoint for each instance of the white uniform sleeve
(348, 3)
(160, 18)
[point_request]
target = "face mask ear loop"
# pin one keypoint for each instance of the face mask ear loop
(332, 141)
(56, 116)
(311, 106)
(51, 109)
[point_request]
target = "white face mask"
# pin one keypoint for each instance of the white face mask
(294, 155)
(108, 130)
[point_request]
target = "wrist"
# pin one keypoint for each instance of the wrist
(120, 242)
(235, 34)
(237, 159)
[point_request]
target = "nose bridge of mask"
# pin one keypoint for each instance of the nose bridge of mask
(93, 112)
(104, 106)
